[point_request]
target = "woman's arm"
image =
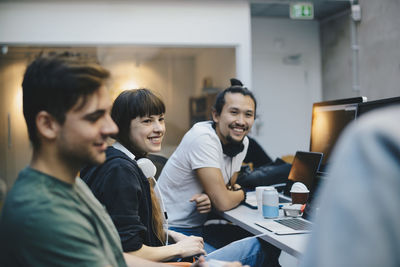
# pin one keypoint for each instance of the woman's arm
(187, 246)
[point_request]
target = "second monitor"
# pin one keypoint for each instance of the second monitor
(329, 118)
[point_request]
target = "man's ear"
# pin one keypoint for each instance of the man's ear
(47, 126)
(215, 116)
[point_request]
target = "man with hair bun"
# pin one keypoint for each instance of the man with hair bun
(208, 160)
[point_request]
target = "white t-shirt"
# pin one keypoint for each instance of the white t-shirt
(199, 148)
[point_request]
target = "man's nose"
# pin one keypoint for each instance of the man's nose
(109, 127)
(240, 119)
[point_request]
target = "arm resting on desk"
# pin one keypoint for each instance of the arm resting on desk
(214, 186)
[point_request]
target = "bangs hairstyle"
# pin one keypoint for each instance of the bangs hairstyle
(131, 104)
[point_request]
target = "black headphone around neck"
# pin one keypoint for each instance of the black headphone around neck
(232, 149)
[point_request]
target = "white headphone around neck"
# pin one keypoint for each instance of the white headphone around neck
(149, 170)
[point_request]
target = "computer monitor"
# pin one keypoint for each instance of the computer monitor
(372, 105)
(329, 118)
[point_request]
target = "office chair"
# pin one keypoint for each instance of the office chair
(159, 161)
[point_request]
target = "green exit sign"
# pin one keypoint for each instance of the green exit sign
(301, 10)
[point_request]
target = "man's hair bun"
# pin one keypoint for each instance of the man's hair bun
(236, 82)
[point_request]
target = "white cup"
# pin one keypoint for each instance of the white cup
(259, 191)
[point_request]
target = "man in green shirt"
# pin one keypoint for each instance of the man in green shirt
(50, 217)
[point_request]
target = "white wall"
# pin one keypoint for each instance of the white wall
(285, 87)
(185, 23)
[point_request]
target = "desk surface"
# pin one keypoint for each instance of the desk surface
(246, 217)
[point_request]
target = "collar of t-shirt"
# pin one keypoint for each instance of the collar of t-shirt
(124, 150)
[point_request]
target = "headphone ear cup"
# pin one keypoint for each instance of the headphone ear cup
(232, 149)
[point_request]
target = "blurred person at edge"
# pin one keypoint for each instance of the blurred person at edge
(358, 220)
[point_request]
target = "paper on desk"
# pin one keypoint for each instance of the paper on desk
(251, 198)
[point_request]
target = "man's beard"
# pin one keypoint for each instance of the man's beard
(77, 157)
(230, 140)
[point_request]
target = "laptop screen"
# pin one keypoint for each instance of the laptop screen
(304, 168)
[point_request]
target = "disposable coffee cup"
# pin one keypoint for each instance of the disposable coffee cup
(299, 193)
(259, 191)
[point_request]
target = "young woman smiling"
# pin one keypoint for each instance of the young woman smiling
(123, 189)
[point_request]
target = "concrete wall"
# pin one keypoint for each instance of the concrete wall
(379, 38)
(336, 57)
(379, 57)
(286, 81)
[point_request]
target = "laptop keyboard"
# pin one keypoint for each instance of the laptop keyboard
(295, 224)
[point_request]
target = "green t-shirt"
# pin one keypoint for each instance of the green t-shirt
(46, 222)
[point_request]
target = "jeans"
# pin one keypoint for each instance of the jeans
(249, 251)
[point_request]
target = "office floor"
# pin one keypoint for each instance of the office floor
(287, 260)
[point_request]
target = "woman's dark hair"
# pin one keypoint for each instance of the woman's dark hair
(55, 84)
(236, 87)
(131, 104)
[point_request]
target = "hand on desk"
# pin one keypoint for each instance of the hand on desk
(203, 202)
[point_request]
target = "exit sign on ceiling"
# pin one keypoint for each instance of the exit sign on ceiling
(301, 10)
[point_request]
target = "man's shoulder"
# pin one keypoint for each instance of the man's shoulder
(43, 213)
(53, 221)
(35, 197)
(201, 132)
(29, 190)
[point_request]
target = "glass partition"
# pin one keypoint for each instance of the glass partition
(177, 74)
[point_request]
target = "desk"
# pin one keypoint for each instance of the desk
(245, 217)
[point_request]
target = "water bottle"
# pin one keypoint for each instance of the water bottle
(270, 203)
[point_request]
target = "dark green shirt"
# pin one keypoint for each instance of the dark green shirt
(46, 222)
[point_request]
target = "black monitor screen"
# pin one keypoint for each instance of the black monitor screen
(328, 121)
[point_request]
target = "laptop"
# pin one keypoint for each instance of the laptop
(286, 225)
(304, 169)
